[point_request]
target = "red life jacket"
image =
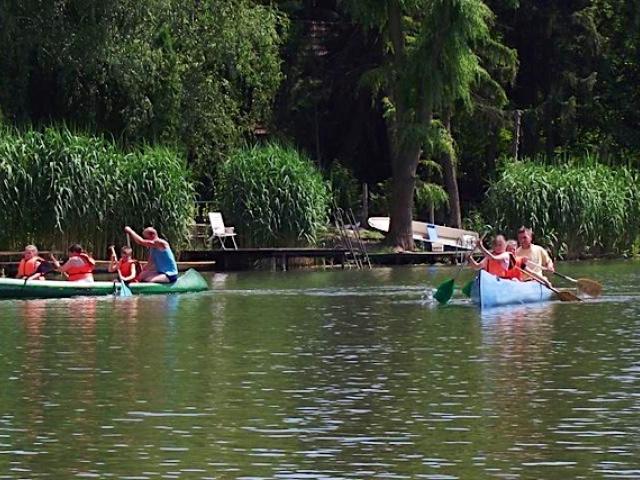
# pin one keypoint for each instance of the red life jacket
(125, 267)
(495, 267)
(84, 271)
(29, 267)
(515, 264)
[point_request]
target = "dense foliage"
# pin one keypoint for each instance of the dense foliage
(573, 206)
(200, 75)
(355, 83)
(57, 187)
(274, 196)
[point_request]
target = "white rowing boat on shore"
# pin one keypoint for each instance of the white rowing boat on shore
(438, 236)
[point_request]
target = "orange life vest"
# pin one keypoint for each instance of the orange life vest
(29, 267)
(84, 271)
(495, 267)
(515, 264)
(125, 267)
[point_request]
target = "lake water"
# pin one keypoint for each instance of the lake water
(319, 375)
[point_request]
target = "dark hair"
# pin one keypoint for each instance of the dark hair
(75, 248)
(526, 230)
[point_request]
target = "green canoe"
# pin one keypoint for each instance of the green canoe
(190, 281)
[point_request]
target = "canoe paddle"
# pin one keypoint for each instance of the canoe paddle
(444, 291)
(586, 285)
(125, 291)
(466, 290)
(563, 295)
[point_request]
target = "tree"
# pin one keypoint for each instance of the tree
(430, 59)
(200, 75)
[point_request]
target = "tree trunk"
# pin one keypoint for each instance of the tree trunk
(404, 183)
(405, 151)
(451, 181)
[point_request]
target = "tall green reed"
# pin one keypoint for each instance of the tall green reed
(577, 206)
(59, 187)
(274, 196)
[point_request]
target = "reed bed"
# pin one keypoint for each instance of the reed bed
(576, 207)
(274, 196)
(58, 187)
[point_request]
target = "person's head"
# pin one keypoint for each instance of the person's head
(75, 249)
(149, 233)
(499, 244)
(30, 251)
(525, 235)
(126, 251)
(512, 246)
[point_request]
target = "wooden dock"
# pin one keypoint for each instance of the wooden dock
(274, 258)
(269, 258)
(283, 258)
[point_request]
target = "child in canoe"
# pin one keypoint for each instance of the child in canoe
(79, 267)
(128, 268)
(498, 261)
(30, 264)
(503, 263)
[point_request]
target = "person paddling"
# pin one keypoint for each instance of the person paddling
(127, 268)
(28, 268)
(496, 262)
(79, 267)
(161, 266)
(516, 264)
(537, 257)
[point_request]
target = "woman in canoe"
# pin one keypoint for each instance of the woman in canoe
(161, 266)
(79, 267)
(498, 261)
(30, 263)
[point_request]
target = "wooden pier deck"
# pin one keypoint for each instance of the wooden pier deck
(268, 258)
(281, 258)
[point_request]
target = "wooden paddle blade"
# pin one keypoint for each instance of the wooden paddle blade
(590, 287)
(567, 296)
(444, 292)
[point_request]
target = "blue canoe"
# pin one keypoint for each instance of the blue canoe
(490, 291)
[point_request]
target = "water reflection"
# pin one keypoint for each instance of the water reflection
(321, 375)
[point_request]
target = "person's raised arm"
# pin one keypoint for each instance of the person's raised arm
(487, 253)
(477, 265)
(137, 238)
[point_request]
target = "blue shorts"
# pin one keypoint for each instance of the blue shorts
(172, 278)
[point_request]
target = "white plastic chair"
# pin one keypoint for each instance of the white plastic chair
(219, 231)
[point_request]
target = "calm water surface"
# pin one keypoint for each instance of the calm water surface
(320, 375)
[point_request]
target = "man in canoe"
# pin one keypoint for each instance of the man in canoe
(161, 266)
(79, 267)
(537, 257)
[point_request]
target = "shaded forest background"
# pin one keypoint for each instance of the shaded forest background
(207, 77)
